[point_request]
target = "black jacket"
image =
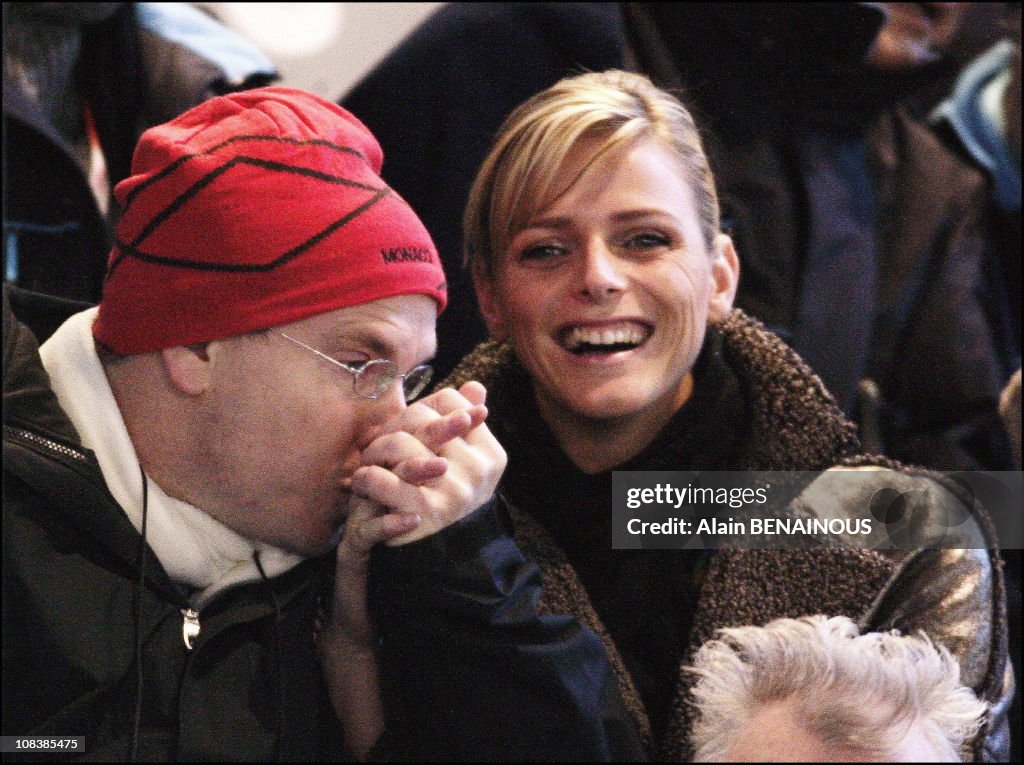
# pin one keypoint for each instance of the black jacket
(249, 689)
(755, 78)
(469, 669)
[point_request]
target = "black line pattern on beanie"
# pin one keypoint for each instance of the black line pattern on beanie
(162, 174)
(235, 139)
(292, 141)
(128, 250)
(209, 178)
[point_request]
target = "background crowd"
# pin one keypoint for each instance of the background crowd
(867, 163)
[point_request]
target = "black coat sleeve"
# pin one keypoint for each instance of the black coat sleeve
(470, 671)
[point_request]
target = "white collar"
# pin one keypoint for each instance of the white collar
(194, 548)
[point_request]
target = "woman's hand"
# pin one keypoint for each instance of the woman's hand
(425, 469)
(448, 425)
(346, 642)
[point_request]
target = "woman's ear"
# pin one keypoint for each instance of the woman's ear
(725, 278)
(188, 368)
(490, 305)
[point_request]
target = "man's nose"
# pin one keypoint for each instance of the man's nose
(392, 401)
(379, 412)
(600, 275)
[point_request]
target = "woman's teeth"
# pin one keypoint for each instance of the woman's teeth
(605, 339)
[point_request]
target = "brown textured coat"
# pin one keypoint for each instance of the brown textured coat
(955, 596)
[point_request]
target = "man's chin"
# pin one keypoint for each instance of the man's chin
(327, 537)
(315, 549)
(316, 543)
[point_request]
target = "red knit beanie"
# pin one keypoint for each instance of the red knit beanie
(253, 210)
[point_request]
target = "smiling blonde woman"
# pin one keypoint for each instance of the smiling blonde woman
(592, 234)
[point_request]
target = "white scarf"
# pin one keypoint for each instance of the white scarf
(194, 548)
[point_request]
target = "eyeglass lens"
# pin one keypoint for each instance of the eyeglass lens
(376, 377)
(416, 381)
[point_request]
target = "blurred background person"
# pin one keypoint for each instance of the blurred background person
(980, 119)
(82, 81)
(816, 690)
(859, 233)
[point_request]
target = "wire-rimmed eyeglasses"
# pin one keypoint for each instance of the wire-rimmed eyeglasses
(372, 379)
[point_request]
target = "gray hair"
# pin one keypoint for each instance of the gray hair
(857, 692)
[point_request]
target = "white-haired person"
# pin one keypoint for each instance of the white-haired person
(816, 690)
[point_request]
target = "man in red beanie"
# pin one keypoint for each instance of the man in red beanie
(181, 467)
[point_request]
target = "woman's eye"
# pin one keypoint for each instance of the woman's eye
(541, 252)
(647, 240)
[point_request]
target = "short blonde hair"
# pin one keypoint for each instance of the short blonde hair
(858, 692)
(517, 178)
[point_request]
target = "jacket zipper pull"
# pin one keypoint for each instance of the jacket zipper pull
(190, 626)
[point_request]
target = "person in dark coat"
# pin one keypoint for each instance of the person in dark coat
(980, 120)
(592, 234)
(82, 81)
(858, 232)
(180, 461)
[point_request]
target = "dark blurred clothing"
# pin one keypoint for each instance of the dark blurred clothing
(969, 123)
(140, 66)
(857, 233)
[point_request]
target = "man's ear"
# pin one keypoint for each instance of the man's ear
(490, 305)
(725, 278)
(188, 368)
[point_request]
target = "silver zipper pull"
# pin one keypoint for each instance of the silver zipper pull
(190, 626)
